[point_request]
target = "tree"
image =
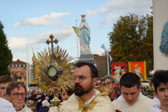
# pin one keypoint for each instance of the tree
(132, 39)
(5, 53)
(148, 42)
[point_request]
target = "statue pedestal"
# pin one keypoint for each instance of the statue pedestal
(87, 58)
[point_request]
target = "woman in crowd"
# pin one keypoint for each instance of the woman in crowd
(64, 95)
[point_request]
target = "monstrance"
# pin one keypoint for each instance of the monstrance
(53, 70)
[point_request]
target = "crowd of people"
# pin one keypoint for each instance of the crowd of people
(86, 95)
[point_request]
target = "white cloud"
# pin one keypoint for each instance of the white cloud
(71, 47)
(113, 9)
(61, 35)
(99, 51)
(36, 42)
(51, 19)
(20, 42)
(17, 42)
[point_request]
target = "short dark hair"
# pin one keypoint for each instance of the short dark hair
(160, 76)
(130, 80)
(93, 69)
(69, 92)
(14, 85)
(5, 79)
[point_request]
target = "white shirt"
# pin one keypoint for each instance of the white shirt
(6, 106)
(156, 100)
(25, 109)
(156, 108)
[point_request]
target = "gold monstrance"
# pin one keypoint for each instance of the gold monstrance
(53, 70)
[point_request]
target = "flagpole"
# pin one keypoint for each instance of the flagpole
(107, 63)
(108, 56)
(27, 66)
(77, 44)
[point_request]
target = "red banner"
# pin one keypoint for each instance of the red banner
(118, 69)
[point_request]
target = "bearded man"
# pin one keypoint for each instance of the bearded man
(86, 98)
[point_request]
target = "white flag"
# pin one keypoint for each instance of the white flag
(103, 46)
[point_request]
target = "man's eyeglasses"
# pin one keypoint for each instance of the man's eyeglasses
(16, 95)
(108, 83)
(80, 78)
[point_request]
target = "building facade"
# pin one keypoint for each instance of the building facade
(20, 71)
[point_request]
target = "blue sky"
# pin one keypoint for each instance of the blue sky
(28, 23)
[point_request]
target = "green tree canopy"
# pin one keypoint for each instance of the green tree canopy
(132, 39)
(5, 53)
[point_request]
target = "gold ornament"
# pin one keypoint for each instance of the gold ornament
(53, 70)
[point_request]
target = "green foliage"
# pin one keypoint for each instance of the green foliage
(132, 39)
(5, 53)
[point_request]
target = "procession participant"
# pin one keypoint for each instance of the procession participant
(86, 98)
(132, 99)
(109, 82)
(16, 93)
(102, 81)
(64, 95)
(160, 82)
(4, 82)
(6, 106)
